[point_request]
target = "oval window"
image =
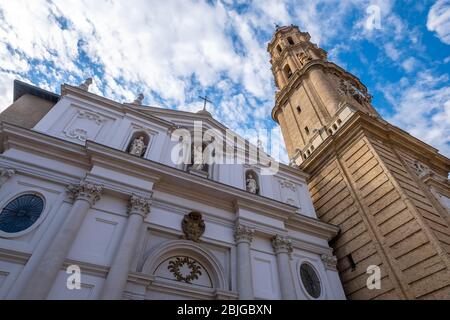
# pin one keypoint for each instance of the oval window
(310, 280)
(21, 213)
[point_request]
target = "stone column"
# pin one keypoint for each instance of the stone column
(117, 277)
(244, 237)
(283, 248)
(330, 263)
(38, 287)
(5, 174)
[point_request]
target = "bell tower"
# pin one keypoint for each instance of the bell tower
(314, 95)
(386, 190)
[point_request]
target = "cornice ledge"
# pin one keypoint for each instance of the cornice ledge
(275, 210)
(362, 121)
(14, 256)
(68, 90)
(312, 226)
(141, 278)
(43, 144)
(119, 160)
(311, 247)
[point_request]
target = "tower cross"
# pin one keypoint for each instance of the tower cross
(205, 100)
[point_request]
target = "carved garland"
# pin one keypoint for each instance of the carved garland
(178, 263)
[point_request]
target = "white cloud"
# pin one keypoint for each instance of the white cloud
(422, 107)
(173, 50)
(409, 64)
(439, 20)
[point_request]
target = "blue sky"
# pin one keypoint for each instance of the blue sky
(174, 51)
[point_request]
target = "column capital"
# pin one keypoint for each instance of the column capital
(87, 191)
(7, 172)
(243, 233)
(329, 261)
(282, 244)
(139, 205)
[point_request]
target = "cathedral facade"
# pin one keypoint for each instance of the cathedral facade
(387, 191)
(93, 206)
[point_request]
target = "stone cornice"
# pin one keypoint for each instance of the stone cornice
(68, 90)
(361, 123)
(312, 226)
(92, 153)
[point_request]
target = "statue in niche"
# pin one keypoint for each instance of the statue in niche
(251, 184)
(138, 146)
(197, 158)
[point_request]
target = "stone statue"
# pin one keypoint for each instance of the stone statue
(252, 185)
(198, 163)
(137, 146)
(85, 85)
(139, 99)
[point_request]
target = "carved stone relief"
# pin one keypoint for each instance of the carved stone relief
(185, 269)
(84, 125)
(193, 226)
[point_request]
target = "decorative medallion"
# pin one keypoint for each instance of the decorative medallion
(193, 226)
(184, 269)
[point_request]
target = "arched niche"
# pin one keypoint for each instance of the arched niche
(252, 186)
(137, 135)
(162, 262)
(204, 166)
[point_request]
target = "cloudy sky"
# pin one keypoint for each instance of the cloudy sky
(174, 51)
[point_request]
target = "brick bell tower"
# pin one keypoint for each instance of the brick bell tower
(386, 190)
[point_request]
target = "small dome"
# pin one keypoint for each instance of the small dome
(204, 112)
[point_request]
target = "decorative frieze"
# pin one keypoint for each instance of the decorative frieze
(329, 261)
(139, 205)
(243, 233)
(282, 244)
(85, 191)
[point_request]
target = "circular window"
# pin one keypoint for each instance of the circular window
(21, 213)
(310, 280)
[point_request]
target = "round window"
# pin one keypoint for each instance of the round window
(310, 280)
(21, 213)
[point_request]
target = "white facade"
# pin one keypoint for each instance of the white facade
(119, 217)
